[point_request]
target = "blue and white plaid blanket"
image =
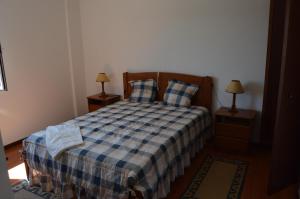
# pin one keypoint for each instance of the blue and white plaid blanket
(126, 145)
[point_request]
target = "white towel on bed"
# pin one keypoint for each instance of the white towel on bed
(61, 137)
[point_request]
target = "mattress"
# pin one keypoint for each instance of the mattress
(127, 146)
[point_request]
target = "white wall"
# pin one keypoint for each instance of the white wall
(226, 39)
(48, 43)
(35, 50)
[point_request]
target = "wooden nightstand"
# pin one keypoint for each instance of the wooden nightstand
(95, 102)
(234, 130)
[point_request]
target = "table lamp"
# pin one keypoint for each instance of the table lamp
(234, 87)
(102, 77)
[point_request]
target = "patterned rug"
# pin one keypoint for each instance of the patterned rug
(23, 191)
(217, 178)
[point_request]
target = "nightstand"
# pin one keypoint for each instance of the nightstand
(96, 101)
(234, 130)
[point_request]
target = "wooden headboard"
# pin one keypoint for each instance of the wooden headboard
(202, 98)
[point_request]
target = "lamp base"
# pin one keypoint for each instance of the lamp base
(233, 107)
(103, 95)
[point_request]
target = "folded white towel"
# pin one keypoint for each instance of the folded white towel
(62, 137)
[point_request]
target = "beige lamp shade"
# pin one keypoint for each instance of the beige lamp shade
(102, 77)
(235, 86)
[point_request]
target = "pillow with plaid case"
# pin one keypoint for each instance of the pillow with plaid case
(179, 93)
(143, 90)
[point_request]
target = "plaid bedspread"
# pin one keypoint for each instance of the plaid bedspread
(126, 145)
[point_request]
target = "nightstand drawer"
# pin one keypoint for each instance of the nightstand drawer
(94, 107)
(231, 144)
(233, 131)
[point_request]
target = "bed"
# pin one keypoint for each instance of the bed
(130, 149)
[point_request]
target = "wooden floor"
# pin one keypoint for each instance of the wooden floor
(256, 181)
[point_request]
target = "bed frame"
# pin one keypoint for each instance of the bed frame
(202, 98)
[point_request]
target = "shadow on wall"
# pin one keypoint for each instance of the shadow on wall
(254, 90)
(111, 75)
(216, 101)
(108, 70)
